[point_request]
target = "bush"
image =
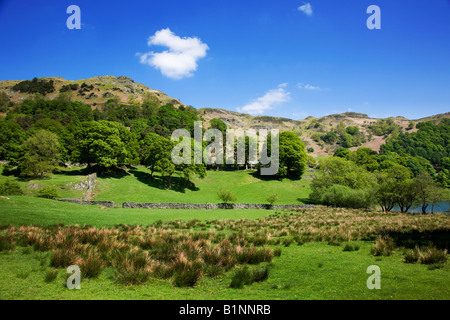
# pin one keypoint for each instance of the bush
(383, 246)
(432, 255)
(244, 276)
(48, 192)
(189, 276)
(35, 86)
(277, 252)
(260, 274)
(132, 267)
(272, 199)
(241, 277)
(51, 275)
(342, 196)
(91, 266)
(6, 243)
(62, 258)
(130, 275)
(10, 188)
(226, 195)
(411, 256)
(349, 247)
(287, 242)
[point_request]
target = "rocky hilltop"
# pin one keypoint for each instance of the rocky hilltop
(94, 91)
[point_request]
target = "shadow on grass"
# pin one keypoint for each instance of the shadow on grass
(409, 239)
(256, 175)
(77, 172)
(178, 183)
(305, 201)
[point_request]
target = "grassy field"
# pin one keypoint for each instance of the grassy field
(308, 253)
(312, 264)
(310, 271)
(136, 185)
(32, 210)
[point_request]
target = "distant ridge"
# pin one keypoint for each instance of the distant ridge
(96, 91)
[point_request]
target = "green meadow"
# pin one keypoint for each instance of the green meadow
(313, 263)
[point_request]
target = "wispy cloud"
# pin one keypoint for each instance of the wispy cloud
(306, 9)
(180, 61)
(271, 99)
(308, 86)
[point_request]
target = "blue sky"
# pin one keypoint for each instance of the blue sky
(263, 57)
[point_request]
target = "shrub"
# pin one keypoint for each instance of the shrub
(272, 199)
(50, 275)
(10, 188)
(6, 243)
(226, 196)
(244, 276)
(49, 192)
(189, 276)
(241, 277)
(260, 274)
(132, 267)
(130, 275)
(349, 247)
(383, 246)
(411, 256)
(41, 86)
(277, 252)
(343, 196)
(62, 258)
(251, 255)
(432, 255)
(287, 242)
(91, 266)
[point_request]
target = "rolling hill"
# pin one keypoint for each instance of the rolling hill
(97, 91)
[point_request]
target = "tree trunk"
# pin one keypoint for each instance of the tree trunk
(424, 208)
(169, 184)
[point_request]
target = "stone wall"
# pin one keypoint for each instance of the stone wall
(109, 204)
(209, 206)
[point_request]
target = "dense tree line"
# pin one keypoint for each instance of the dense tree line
(38, 134)
(362, 179)
(430, 142)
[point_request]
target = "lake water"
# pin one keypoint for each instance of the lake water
(438, 207)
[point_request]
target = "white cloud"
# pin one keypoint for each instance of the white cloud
(306, 9)
(308, 86)
(180, 61)
(272, 98)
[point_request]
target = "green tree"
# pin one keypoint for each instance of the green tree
(218, 124)
(338, 171)
(106, 144)
(384, 191)
(428, 191)
(292, 154)
(41, 154)
(154, 149)
(11, 137)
